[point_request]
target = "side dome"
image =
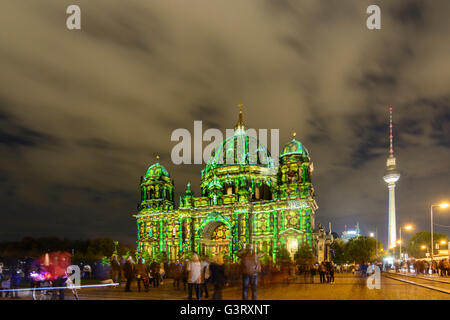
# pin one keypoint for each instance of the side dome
(155, 171)
(294, 147)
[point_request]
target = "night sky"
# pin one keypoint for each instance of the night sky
(84, 113)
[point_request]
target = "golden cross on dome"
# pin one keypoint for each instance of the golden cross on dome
(294, 134)
(157, 157)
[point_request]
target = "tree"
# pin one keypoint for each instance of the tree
(304, 255)
(414, 245)
(361, 249)
(339, 251)
(283, 255)
(84, 250)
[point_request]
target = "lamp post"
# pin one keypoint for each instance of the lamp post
(407, 228)
(443, 206)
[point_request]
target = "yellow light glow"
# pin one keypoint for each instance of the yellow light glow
(423, 247)
(443, 242)
(408, 227)
(444, 205)
(398, 241)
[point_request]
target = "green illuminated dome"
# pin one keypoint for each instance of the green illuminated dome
(238, 164)
(236, 151)
(155, 171)
(294, 147)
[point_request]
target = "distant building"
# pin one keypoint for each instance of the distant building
(349, 234)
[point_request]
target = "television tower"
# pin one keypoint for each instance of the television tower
(391, 177)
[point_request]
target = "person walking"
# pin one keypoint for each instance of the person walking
(194, 276)
(177, 274)
(58, 266)
(427, 268)
(445, 267)
(250, 267)
(314, 270)
(363, 269)
(128, 272)
(433, 267)
(156, 277)
(87, 271)
(162, 272)
(6, 285)
(441, 268)
(16, 278)
(218, 279)
(205, 275)
(327, 271)
(332, 269)
(141, 275)
(306, 269)
(115, 270)
(322, 271)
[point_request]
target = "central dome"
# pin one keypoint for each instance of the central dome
(240, 149)
(238, 164)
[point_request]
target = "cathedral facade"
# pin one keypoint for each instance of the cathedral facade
(242, 201)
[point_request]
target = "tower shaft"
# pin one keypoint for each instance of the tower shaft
(392, 217)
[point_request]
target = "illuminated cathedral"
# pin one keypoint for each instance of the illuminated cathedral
(241, 202)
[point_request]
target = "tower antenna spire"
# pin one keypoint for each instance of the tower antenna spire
(391, 136)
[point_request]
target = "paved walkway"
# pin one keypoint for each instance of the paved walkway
(346, 287)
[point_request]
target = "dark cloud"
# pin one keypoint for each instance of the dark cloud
(84, 113)
(410, 13)
(371, 132)
(95, 143)
(14, 135)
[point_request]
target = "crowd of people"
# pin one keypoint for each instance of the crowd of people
(325, 270)
(434, 267)
(10, 280)
(54, 264)
(199, 274)
(194, 275)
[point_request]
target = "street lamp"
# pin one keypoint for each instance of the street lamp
(443, 206)
(424, 247)
(375, 235)
(408, 227)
